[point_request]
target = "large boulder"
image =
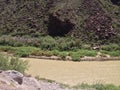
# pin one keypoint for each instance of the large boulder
(14, 80)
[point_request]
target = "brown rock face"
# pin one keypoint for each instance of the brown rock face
(98, 23)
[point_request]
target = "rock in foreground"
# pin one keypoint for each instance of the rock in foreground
(14, 80)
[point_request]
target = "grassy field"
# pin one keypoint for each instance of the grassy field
(73, 73)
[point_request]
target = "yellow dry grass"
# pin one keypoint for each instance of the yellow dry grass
(73, 73)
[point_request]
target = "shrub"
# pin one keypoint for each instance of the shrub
(44, 79)
(88, 52)
(63, 54)
(48, 43)
(20, 41)
(68, 43)
(19, 51)
(11, 41)
(43, 42)
(81, 53)
(42, 53)
(86, 47)
(55, 52)
(24, 51)
(7, 63)
(7, 49)
(112, 53)
(97, 87)
(75, 57)
(111, 47)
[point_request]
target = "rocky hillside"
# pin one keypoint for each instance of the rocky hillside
(84, 19)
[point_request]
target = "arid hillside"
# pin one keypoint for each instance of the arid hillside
(84, 19)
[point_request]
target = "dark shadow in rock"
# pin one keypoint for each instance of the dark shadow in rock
(15, 75)
(57, 27)
(116, 2)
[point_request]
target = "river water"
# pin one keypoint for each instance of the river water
(73, 73)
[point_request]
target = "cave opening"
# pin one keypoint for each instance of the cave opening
(57, 27)
(116, 2)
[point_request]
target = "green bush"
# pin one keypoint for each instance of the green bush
(98, 87)
(22, 53)
(10, 41)
(111, 47)
(52, 43)
(75, 57)
(8, 63)
(86, 46)
(19, 51)
(42, 53)
(68, 43)
(55, 52)
(63, 54)
(105, 87)
(43, 42)
(48, 43)
(111, 53)
(7, 49)
(88, 52)
(81, 53)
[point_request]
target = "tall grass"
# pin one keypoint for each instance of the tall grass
(111, 53)
(8, 63)
(81, 53)
(111, 47)
(98, 87)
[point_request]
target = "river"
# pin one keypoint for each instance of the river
(73, 73)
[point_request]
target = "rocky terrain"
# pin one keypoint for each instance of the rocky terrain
(13, 80)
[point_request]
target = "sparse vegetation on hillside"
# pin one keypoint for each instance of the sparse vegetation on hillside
(87, 20)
